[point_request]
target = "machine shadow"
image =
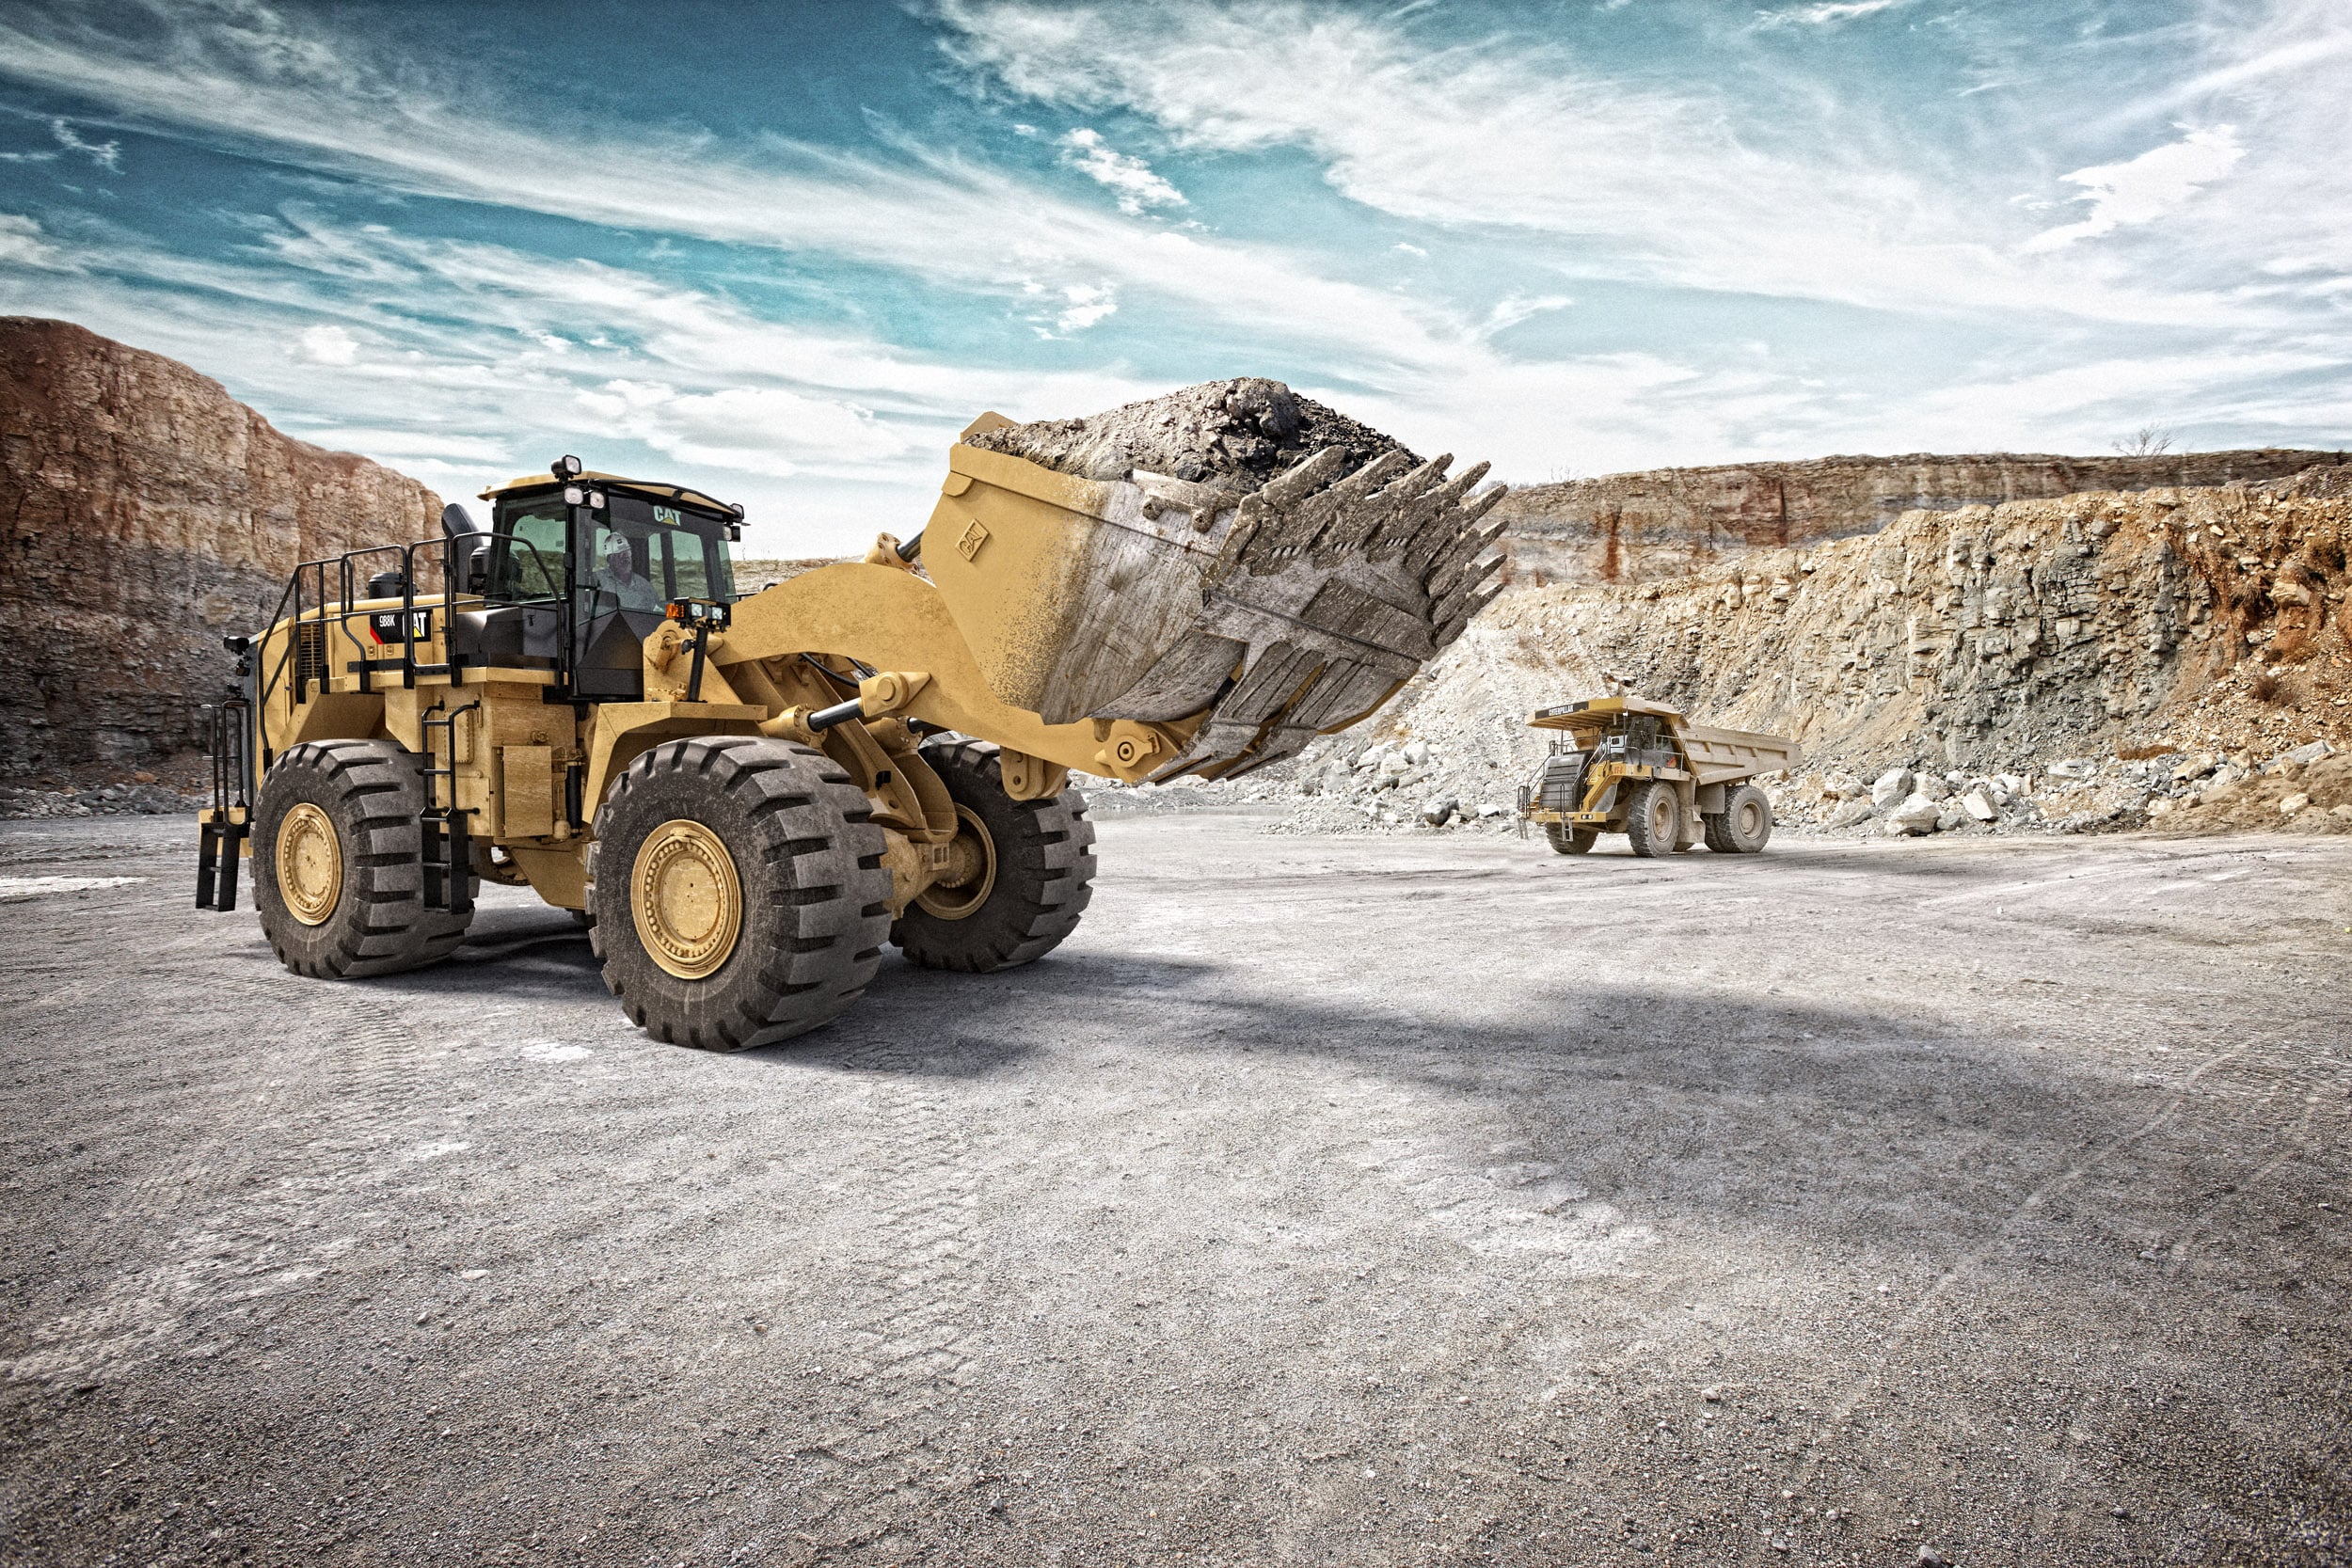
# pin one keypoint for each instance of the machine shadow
(1791, 1122)
(1785, 1124)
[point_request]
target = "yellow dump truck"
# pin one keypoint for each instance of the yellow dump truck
(1622, 765)
(745, 799)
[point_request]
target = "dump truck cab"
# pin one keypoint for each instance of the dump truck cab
(1623, 764)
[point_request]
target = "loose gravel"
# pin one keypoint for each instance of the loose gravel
(1324, 1200)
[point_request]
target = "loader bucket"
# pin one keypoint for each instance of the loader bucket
(1273, 617)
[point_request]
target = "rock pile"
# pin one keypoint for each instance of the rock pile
(2307, 789)
(133, 798)
(1234, 436)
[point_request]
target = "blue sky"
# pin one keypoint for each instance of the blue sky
(786, 251)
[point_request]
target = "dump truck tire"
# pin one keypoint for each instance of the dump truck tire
(1026, 888)
(1571, 840)
(1745, 824)
(337, 872)
(1652, 819)
(739, 892)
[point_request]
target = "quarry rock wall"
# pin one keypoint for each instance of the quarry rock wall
(2161, 623)
(143, 513)
(1671, 522)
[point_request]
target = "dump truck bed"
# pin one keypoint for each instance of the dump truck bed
(1726, 757)
(1716, 755)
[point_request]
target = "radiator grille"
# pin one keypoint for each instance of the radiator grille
(309, 652)
(1562, 788)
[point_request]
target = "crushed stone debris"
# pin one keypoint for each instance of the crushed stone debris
(1234, 436)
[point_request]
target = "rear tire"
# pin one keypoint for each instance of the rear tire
(355, 905)
(1027, 887)
(1745, 824)
(1652, 819)
(765, 891)
(1571, 840)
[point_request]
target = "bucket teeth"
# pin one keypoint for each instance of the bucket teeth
(1339, 584)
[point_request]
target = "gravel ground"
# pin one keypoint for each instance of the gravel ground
(1339, 1201)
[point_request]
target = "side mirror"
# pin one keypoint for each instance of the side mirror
(456, 520)
(478, 569)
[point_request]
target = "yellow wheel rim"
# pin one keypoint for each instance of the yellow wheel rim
(310, 863)
(971, 874)
(687, 900)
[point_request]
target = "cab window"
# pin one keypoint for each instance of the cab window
(699, 566)
(530, 561)
(680, 554)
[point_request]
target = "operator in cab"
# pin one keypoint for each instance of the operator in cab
(619, 577)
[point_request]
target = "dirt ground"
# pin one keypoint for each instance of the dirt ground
(1333, 1201)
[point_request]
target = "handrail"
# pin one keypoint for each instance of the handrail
(306, 596)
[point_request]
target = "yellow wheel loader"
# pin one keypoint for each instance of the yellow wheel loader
(746, 797)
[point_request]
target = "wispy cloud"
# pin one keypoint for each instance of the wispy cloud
(1132, 178)
(1765, 259)
(326, 344)
(1647, 182)
(2146, 187)
(107, 155)
(23, 245)
(757, 430)
(1827, 14)
(235, 70)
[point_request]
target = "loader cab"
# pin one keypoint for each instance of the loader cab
(581, 567)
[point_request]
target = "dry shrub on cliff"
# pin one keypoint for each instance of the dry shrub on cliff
(2264, 687)
(2291, 647)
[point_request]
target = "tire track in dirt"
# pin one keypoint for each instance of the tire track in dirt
(247, 1204)
(1526, 1211)
(1969, 1264)
(912, 1332)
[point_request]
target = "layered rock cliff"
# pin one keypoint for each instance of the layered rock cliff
(1670, 522)
(144, 512)
(2172, 624)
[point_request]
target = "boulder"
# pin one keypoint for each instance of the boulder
(1891, 786)
(2293, 803)
(1980, 805)
(1439, 813)
(1916, 816)
(1851, 812)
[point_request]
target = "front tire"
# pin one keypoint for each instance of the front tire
(740, 897)
(1566, 840)
(1021, 873)
(337, 875)
(1652, 819)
